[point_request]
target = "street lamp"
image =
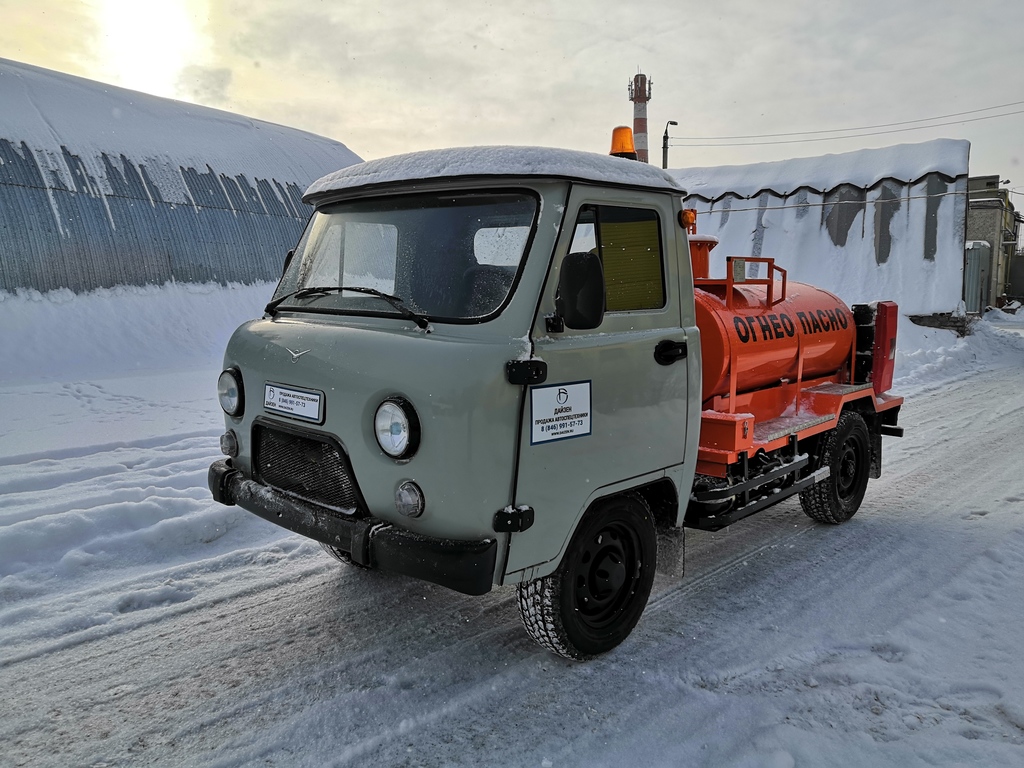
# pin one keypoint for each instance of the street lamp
(664, 144)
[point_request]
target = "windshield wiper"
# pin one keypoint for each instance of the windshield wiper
(394, 301)
(309, 290)
(314, 290)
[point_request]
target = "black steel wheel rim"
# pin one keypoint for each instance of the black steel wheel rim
(851, 467)
(606, 575)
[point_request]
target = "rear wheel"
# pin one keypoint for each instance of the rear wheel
(847, 454)
(595, 598)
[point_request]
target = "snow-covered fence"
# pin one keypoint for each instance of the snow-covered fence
(101, 186)
(873, 224)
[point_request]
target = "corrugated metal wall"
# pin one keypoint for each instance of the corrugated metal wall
(895, 239)
(976, 266)
(231, 228)
(1017, 276)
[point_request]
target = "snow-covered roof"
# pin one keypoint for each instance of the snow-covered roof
(47, 109)
(494, 161)
(863, 168)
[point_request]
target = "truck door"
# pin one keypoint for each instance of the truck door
(609, 415)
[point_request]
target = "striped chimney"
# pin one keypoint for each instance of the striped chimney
(640, 94)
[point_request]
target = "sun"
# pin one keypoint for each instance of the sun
(144, 44)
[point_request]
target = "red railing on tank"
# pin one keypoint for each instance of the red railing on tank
(736, 269)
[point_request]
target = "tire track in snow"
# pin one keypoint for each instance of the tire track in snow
(289, 655)
(880, 492)
(884, 549)
(60, 454)
(42, 491)
(718, 568)
(64, 621)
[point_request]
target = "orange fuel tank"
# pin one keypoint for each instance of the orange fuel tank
(760, 339)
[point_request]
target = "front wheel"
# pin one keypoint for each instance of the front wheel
(847, 454)
(595, 598)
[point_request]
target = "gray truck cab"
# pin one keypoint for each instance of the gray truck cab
(480, 367)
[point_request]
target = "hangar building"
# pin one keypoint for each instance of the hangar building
(102, 186)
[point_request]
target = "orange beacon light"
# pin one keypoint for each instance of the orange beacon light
(622, 142)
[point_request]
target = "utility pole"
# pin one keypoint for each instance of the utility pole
(664, 144)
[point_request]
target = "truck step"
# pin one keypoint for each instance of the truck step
(718, 522)
(773, 429)
(839, 390)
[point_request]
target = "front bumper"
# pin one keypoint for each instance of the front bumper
(465, 566)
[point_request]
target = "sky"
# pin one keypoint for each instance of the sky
(393, 77)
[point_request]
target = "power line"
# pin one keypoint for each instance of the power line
(845, 130)
(852, 135)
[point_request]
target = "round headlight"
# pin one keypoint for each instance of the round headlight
(397, 428)
(229, 391)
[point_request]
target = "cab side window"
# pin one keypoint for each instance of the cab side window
(628, 240)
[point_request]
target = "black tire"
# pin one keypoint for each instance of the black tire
(595, 598)
(847, 453)
(342, 557)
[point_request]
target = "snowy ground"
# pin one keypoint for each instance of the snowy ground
(143, 624)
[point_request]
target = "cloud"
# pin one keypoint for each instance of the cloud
(401, 76)
(429, 75)
(205, 85)
(50, 33)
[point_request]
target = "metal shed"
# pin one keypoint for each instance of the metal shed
(102, 186)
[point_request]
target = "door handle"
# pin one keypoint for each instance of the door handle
(668, 351)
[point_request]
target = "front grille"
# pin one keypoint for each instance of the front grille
(309, 467)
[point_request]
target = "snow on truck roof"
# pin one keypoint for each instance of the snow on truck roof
(494, 161)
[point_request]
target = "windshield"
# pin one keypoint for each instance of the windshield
(448, 257)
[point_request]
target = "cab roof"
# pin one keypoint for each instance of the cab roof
(465, 162)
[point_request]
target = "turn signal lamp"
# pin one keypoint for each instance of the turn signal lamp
(622, 142)
(688, 220)
(409, 499)
(229, 444)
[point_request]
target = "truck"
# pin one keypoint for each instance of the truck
(501, 366)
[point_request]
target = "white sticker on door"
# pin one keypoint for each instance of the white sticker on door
(559, 411)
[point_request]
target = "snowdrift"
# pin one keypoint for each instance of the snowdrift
(61, 335)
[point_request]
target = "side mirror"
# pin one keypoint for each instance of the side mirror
(287, 260)
(580, 298)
